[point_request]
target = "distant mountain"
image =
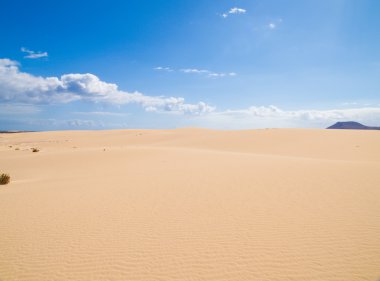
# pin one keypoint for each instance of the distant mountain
(351, 125)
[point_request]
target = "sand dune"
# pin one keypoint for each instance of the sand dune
(191, 204)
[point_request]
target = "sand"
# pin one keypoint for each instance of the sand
(191, 204)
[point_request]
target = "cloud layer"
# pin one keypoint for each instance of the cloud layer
(21, 87)
(272, 116)
(23, 93)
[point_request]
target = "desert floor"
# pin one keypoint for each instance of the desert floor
(191, 204)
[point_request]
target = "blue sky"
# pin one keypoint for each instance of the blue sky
(166, 64)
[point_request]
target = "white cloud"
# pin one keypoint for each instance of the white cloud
(176, 105)
(33, 54)
(21, 123)
(18, 86)
(272, 116)
(234, 10)
(168, 69)
(308, 115)
(274, 24)
(208, 73)
(216, 75)
(102, 113)
(23, 92)
(194, 70)
(21, 87)
(205, 72)
(350, 103)
(66, 124)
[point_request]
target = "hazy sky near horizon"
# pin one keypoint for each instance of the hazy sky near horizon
(174, 63)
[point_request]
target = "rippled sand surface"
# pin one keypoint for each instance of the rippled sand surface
(191, 204)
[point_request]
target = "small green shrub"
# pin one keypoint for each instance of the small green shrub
(4, 179)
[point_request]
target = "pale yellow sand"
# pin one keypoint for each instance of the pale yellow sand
(191, 204)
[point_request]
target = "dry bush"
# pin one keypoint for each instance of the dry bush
(4, 179)
(35, 149)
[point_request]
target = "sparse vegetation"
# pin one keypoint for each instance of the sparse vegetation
(35, 149)
(17, 148)
(4, 179)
